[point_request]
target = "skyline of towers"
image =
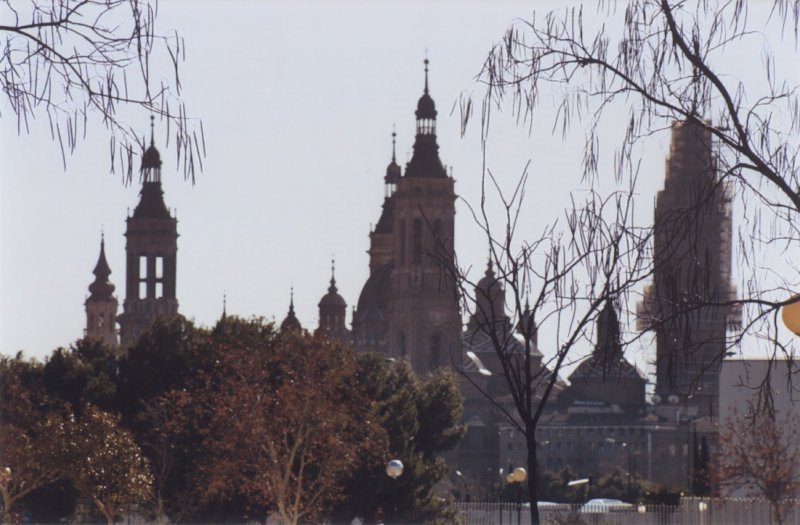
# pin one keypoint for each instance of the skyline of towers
(407, 308)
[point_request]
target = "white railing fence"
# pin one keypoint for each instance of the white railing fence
(691, 511)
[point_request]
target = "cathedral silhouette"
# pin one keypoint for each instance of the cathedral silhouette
(408, 309)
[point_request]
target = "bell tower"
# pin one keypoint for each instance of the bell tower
(101, 305)
(407, 308)
(151, 249)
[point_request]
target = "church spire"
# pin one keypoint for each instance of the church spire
(151, 159)
(426, 74)
(332, 288)
(425, 161)
(101, 305)
(101, 289)
(393, 172)
(224, 306)
(291, 323)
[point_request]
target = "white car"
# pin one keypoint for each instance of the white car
(605, 505)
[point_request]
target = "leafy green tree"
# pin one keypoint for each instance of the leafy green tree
(166, 431)
(420, 419)
(30, 453)
(157, 383)
(285, 420)
(613, 485)
(167, 357)
(104, 462)
(85, 373)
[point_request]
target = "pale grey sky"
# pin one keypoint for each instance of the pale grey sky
(298, 100)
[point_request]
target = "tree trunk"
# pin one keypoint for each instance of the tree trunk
(533, 478)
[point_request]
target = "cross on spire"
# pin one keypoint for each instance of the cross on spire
(394, 139)
(426, 71)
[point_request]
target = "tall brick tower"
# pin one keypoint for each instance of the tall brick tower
(692, 256)
(407, 307)
(152, 246)
(101, 305)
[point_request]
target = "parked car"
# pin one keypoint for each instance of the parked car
(605, 506)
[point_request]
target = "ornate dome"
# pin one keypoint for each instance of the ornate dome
(151, 158)
(332, 298)
(426, 108)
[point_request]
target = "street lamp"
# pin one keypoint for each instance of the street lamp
(466, 490)
(518, 476)
(394, 469)
(627, 449)
(791, 315)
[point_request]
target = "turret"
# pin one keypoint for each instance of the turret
(101, 305)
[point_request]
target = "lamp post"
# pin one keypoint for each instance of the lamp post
(466, 489)
(394, 469)
(518, 476)
(627, 450)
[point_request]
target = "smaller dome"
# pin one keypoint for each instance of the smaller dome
(489, 280)
(332, 298)
(151, 158)
(426, 108)
(291, 323)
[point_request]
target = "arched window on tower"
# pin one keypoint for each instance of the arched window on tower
(142, 277)
(416, 241)
(159, 277)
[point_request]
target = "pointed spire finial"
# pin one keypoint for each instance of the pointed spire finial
(332, 288)
(426, 71)
(224, 305)
(152, 130)
(291, 300)
(394, 140)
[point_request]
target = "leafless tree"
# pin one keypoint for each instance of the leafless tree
(759, 453)
(75, 61)
(562, 280)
